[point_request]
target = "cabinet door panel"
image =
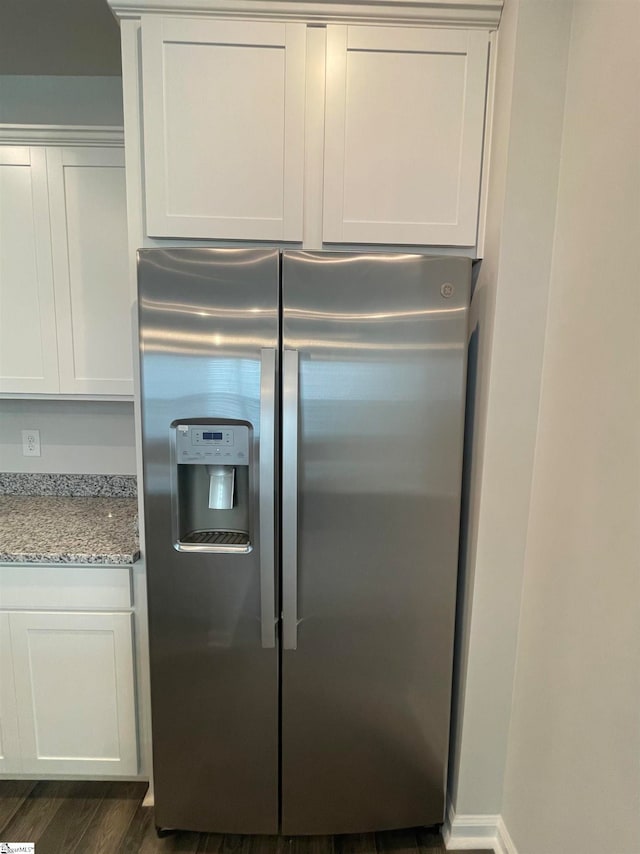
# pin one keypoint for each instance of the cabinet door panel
(9, 738)
(93, 304)
(75, 692)
(28, 360)
(223, 128)
(403, 135)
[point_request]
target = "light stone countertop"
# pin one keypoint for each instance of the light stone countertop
(68, 529)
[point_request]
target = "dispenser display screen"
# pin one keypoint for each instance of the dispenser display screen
(213, 437)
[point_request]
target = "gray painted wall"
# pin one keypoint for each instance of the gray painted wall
(58, 37)
(60, 100)
(572, 782)
(509, 312)
(75, 436)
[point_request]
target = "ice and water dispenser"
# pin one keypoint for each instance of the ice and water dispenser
(212, 488)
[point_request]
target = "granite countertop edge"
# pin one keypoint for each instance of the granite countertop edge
(63, 558)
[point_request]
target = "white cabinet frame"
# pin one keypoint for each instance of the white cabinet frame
(472, 46)
(10, 758)
(161, 221)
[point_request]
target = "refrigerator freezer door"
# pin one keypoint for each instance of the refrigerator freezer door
(209, 337)
(381, 344)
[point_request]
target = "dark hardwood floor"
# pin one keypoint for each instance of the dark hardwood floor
(108, 818)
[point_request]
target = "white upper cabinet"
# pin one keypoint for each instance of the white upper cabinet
(404, 126)
(65, 303)
(90, 263)
(28, 358)
(396, 115)
(223, 106)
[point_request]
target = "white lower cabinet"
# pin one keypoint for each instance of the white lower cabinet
(67, 677)
(74, 692)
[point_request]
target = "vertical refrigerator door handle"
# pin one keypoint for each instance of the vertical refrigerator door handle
(290, 500)
(267, 497)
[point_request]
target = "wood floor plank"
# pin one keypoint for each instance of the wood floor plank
(307, 845)
(142, 823)
(141, 837)
(355, 843)
(211, 843)
(266, 845)
(30, 820)
(235, 843)
(111, 820)
(182, 841)
(397, 842)
(13, 793)
(430, 841)
(73, 818)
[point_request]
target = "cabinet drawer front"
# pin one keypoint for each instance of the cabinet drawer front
(68, 587)
(403, 135)
(223, 128)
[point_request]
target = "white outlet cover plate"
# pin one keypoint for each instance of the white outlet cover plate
(30, 443)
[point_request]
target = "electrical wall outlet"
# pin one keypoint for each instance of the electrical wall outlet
(30, 443)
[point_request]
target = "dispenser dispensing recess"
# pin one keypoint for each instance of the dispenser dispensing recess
(212, 487)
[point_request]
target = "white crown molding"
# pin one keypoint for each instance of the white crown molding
(476, 832)
(450, 13)
(105, 136)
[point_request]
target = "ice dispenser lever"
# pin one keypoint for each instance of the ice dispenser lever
(222, 481)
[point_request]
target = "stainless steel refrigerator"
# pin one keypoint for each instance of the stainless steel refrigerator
(302, 438)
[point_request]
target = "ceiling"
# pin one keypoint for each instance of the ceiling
(74, 37)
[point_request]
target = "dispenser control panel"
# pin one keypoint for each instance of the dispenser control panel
(224, 444)
(211, 437)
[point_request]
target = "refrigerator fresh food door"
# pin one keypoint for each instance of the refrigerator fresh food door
(209, 339)
(373, 388)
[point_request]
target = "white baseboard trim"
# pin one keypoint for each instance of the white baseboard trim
(481, 832)
(505, 842)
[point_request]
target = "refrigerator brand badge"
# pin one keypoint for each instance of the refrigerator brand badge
(447, 290)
